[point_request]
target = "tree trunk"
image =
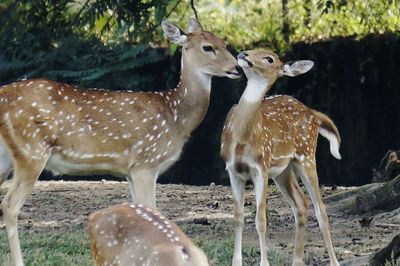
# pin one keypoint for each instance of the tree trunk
(285, 22)
(307, 17)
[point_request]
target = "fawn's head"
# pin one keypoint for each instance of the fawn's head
(263, 64)
(205, 51)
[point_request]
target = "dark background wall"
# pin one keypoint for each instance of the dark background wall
(355, 82)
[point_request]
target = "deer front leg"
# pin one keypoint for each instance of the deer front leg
(25, 176)
(261, 187)
(144, 186)
(237, 185)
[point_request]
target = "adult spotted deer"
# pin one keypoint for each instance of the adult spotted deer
(71, 130)
(275, 138)
(132, 234)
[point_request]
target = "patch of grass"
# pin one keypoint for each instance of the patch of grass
(70, 248)
(221, 252)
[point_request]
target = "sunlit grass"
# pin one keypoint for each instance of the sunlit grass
(221, 252)
(72, 248)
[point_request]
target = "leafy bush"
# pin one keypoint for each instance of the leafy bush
(279, 23)
(61, 41)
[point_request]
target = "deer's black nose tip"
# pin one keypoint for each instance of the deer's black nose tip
(242, 55)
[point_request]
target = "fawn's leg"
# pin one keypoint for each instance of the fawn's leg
(237, 185)
(290, 189)
(309, 177)
(261, 187)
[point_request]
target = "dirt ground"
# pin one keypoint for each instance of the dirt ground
(204, 212)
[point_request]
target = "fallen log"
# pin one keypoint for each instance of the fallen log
(369, 199)
(387, 225)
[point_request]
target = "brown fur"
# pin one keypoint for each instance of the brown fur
(129, 234)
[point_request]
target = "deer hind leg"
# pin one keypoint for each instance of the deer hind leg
(144, 186)
(26, 173)
(237, 185)
(309, 177)
(261, 187)
(291, 191)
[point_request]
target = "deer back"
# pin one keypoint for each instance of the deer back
(129, 234)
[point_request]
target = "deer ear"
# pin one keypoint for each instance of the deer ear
(194, 26)
(296, 68)
(174, 33)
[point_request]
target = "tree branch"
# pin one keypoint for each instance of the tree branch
(173, 8)
(77, 16)
(194, 9)
(107, 24)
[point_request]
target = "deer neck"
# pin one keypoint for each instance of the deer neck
(247, 113)
(191, 98)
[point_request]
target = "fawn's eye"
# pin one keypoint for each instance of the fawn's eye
(208, 48)
(269, 59)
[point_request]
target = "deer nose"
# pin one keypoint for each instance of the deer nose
(242, 55)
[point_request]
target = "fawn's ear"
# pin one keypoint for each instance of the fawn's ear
(174, 33)
(194, 26)
(296, 68)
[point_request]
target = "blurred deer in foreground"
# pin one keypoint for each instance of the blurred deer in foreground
(70, 130)
(275, 138)
(132, 234)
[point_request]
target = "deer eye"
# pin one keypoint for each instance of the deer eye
(208, 48)
(269, 59)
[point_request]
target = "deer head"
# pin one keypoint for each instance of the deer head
(263, 64)
(206, 52)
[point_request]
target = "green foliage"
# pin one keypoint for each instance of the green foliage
(263, 22)
(108, 66)
(129, 20)
(63, 41)
(87, 62)
(111, 21)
